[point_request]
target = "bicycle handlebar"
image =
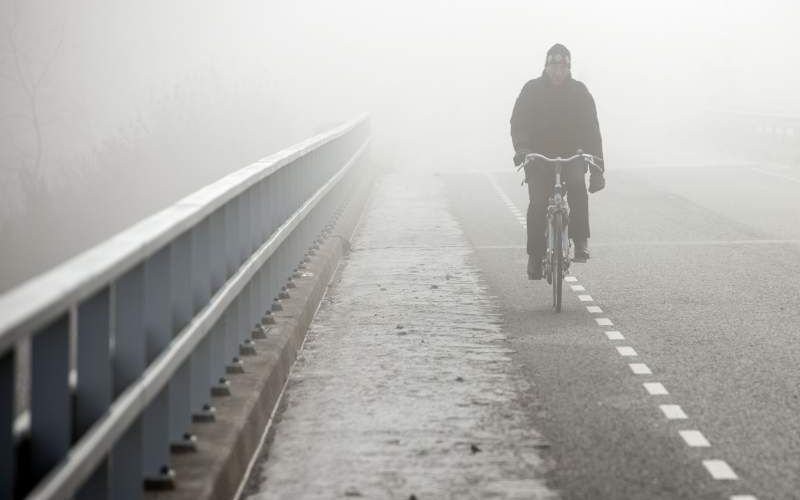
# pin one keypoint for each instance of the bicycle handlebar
(590, 159)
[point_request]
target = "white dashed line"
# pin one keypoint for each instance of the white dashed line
(673, 412)
(719, 469)
(655, 388)
(695, 439)
(516, 212)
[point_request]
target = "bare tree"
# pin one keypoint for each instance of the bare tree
(29, 79)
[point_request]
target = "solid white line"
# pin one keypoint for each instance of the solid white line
(615, 335)
(681, 243)
(604, 322)
(695, 439)
(657, 243)
(577, 288)
(673, 412)
(571, 279)
(594, 309)
(773, 174)
(585, 298)
(626, 351)
(719, 469)
(640, 369)
(655, 388)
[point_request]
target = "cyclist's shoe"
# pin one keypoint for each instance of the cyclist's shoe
(581, 250)
(534, 268)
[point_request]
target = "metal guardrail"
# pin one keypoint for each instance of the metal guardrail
(774, 135)
(129, 340)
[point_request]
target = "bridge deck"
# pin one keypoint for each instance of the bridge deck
(405, 385)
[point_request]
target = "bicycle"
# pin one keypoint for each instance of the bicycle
(556, 260)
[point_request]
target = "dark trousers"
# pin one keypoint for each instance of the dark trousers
(541, 179)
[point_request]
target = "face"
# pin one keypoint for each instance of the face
(557, 72)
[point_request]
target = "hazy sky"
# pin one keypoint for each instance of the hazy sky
(176, 94)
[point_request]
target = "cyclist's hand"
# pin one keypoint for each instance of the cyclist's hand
(596, 181)
(519, 156)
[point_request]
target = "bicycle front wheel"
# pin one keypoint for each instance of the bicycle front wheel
(557, 262)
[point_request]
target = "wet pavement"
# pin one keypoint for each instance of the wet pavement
(405, 386)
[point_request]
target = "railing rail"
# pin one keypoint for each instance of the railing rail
(156, 317)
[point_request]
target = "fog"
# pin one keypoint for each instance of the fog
(111, 110)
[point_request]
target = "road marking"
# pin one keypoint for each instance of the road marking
(655, 388)
(626, 351)
(640, 369)
(719, 469)
(571, 279)
(516, 212)
(615, 335)
(743, 497)
(695, 439)
(667, 243)
(585, 298)
(699, 243)
(577, 288)
(773, 174)
(604, 322)
(673, 412)
(594, 309)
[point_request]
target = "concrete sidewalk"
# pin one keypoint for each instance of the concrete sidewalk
(404, 388)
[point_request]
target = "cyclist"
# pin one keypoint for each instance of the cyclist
(555, 115)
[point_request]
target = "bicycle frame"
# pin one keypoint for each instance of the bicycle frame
(557, 204)
(556, 260)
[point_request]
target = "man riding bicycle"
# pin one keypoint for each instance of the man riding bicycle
(555, 115)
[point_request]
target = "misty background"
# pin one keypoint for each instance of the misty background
(112, 110)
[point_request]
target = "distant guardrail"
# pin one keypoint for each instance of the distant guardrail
(129, 340)
(775, 135)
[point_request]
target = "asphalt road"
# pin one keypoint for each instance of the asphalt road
(698, 268)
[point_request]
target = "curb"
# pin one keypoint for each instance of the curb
(225, 447)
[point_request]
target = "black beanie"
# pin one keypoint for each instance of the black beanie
(558, 53)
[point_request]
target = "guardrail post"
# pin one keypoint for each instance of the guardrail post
(232, 326)
(246, 322)
(51, 411)
(245, 228)
(93, 391)
(231, 238)
(129, 362)
(180, 396)
(202, 409)
(218, 254)
(158, 328)
(8, 457)
(245, 242)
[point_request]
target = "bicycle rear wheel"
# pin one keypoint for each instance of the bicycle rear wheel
(557, 262)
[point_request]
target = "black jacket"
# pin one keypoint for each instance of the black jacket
(555, 119)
